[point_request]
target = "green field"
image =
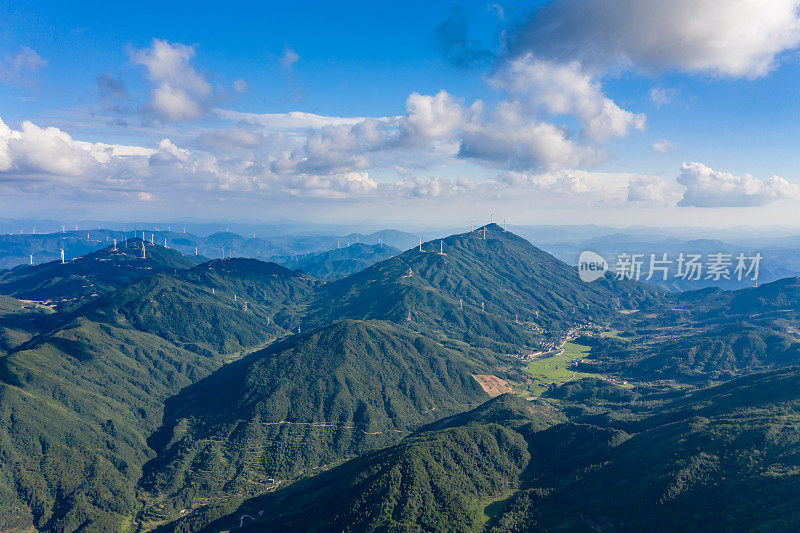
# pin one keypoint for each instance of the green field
(546, 371)
(613, 334)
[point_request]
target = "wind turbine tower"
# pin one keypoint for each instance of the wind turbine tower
(31, 259)
(115, 245)
(62, 257)
(144, 253)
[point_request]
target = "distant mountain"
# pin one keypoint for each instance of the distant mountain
(780, 258)
(16, 249)
(493, 291)
(304, 403)
(82, 278)
(340, 262)
(221, 306)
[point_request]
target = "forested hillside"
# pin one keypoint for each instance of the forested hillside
(304, 403)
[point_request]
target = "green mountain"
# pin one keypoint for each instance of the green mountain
(440, 480)
(76, 408)
(708, 334)
(718, 459)
(496, 291)
(69, 285)
(303, 404)
(719, 353)
(339, 262)
(222, 306)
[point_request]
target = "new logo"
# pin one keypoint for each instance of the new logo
(591, 266)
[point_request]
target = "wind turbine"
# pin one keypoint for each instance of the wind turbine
(144, 253)
(115, 245)
(62, 257)
(420, 244)
(31, 259)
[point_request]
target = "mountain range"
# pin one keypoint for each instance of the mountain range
(162, 391)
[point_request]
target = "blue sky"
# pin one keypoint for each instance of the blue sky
(629, 112)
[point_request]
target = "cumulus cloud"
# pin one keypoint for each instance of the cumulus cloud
(178, 92)
(436, 117)
(33, 151)
(706, 187)
(663, 147)
(650, 189)
(565, 89)
(510, 139)
(333, 149)
(596, 187)
(739, 38)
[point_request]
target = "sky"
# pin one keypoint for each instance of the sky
(619, 112)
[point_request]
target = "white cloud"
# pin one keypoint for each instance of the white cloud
(34, 151)
(565, 89)
(591, 186)
(179, 92)
(289, 58)
(706, 187)
(21, 67)
(662, 96)
(651, 189)
(663, 147)
(294, 120)
(739, 38)
(510, 139)
(435, 117)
